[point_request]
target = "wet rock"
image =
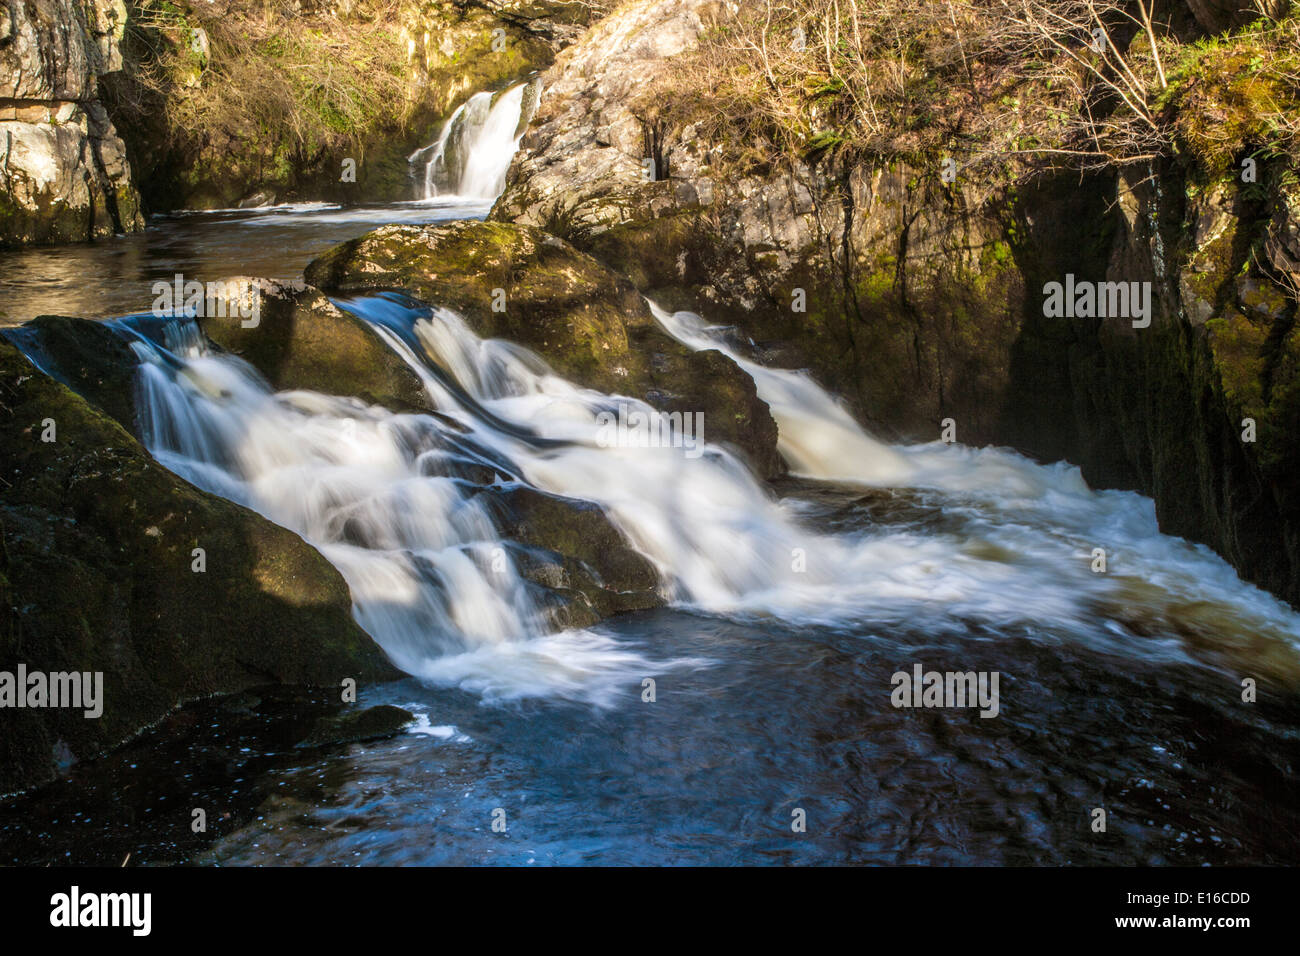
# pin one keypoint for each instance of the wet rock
(301, 341)
(355, 726)
(98, 574)
(585, 320)
(574, 550)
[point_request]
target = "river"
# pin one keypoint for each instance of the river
(755, 719)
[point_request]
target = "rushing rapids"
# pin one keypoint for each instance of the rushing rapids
(386, 499)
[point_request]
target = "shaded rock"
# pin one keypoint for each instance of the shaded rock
(572, 549)
(88, 357)
(354, 726)
(96, 574)
(585, 320)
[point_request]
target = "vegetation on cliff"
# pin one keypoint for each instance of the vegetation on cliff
(996, 83)
(239, 100)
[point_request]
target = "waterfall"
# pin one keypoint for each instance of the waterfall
(384, 499)
(471, 156)
(397, 502)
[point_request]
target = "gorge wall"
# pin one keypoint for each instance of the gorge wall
(919, 299)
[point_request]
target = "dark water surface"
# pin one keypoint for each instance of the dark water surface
(113, 277)
(713, 770)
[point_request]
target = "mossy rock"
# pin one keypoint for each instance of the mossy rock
(88, 357)
(571, 548)
(301, 341)
(96, 574)
(587, 321)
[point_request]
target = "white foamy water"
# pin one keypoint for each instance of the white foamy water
(421, 555)
(1009, 545)
(471, 156)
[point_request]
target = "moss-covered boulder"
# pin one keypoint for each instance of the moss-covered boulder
(299, 340)
(588, 322)
(100, 572)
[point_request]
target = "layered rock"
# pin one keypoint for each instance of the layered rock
(98, 574)
(64, 174)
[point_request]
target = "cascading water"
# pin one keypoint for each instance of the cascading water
(774, 668)
(381, 495)
(471, 156)
(389, 500)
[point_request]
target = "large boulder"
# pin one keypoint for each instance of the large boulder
(899, 293)
(64, 174)
(589, 323)
(299, 340)
(98, 574)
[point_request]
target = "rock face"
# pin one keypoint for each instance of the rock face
(1202, 409)
(594, 155)
(585, 320)
(64, 175)
(97, 574)
(919, 300)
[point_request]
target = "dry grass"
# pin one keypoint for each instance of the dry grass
(309, 80)
(992, 83)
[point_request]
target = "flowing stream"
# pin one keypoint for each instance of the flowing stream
(790, 608)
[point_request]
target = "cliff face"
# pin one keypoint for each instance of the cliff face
(64, 174)
(920, 299)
